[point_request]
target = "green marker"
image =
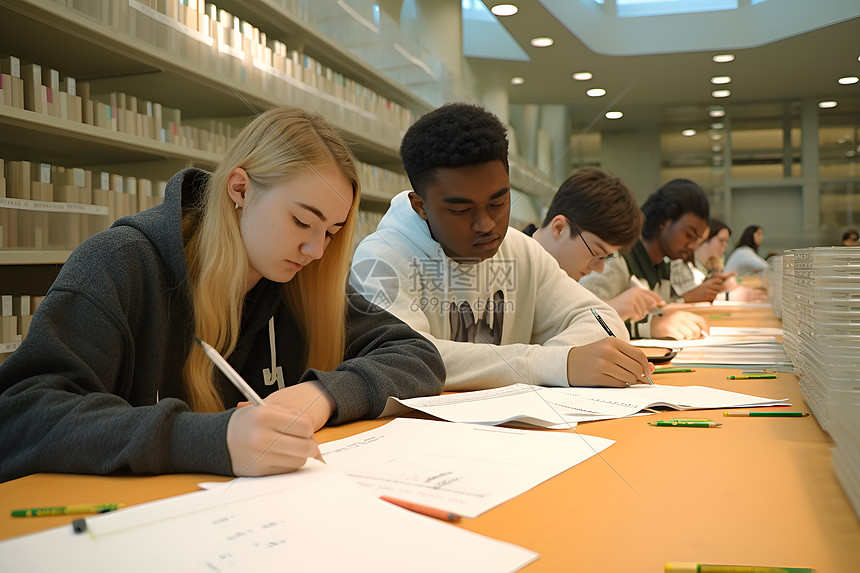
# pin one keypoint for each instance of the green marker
(751, 377)
(668, 370)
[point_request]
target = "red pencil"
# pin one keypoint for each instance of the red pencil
(423, 509)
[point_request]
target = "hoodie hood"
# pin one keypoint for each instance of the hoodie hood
(162, 224)
(403, 219)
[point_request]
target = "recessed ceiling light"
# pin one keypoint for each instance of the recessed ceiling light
(504, 9)
(596, 92)
(723, 58)
(688, 132)
(848, 80)
(721, 93)
(582, 76)
(518, 81)
(716, 137)
(718, 125)
(614, 115)
(826, 104)
(716, 148)
(716, 111)
(542, 42)
(721, 80)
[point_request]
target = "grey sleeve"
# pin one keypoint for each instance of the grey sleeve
(384, 357)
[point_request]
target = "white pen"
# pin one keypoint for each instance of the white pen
(231, 373)
(236, 378)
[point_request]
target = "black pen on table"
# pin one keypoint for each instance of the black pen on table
(610, 333)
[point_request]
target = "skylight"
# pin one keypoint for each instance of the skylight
(485, 37)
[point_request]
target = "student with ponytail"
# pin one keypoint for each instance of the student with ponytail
(109, 378)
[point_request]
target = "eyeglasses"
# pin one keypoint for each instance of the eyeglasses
(603, 258)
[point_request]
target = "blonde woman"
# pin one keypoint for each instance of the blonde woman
(109, 378)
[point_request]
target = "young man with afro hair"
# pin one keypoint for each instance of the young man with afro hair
(493, 301)
(676, 220)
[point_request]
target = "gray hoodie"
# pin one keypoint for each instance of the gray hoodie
(96, 387)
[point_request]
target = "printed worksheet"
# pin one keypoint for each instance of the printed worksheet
(463, 468)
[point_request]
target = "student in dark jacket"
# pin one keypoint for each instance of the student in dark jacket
(109, 378)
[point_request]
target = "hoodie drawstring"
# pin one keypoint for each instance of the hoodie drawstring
(268, 379)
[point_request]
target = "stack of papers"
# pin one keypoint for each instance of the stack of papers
(821, 315)
(561, 408)
(727, 347)
(316, 519)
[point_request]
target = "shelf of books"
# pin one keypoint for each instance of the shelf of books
(101, 101)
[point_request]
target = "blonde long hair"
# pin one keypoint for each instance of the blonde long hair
(278, 143)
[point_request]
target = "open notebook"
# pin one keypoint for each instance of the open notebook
(559, 408)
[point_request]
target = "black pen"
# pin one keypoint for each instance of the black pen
(610, 333)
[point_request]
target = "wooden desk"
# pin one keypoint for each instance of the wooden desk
(756, 491)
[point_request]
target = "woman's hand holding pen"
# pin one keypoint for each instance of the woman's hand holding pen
(270, 440)
(634, 303)
(309, 398)
(608, 362)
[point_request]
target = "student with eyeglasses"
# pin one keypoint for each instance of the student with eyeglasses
(592, 216)
(676, 218)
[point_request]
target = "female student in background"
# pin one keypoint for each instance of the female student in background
(710, 255)
(109, 378)
(744, 260)
(699, 278)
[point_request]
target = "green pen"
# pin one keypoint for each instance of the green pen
(67, 509)
(767, 414)
(751, 377)
(668, 370)
(687, 423)
(682, 567)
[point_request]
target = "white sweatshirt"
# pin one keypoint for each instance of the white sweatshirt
(525, 309)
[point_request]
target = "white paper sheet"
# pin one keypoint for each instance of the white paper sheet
(744, 331)
(314, 520)
(464, 468)
(761, 355)
(559, 408)
(709, 340)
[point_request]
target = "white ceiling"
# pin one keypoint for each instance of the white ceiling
(675, 87)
